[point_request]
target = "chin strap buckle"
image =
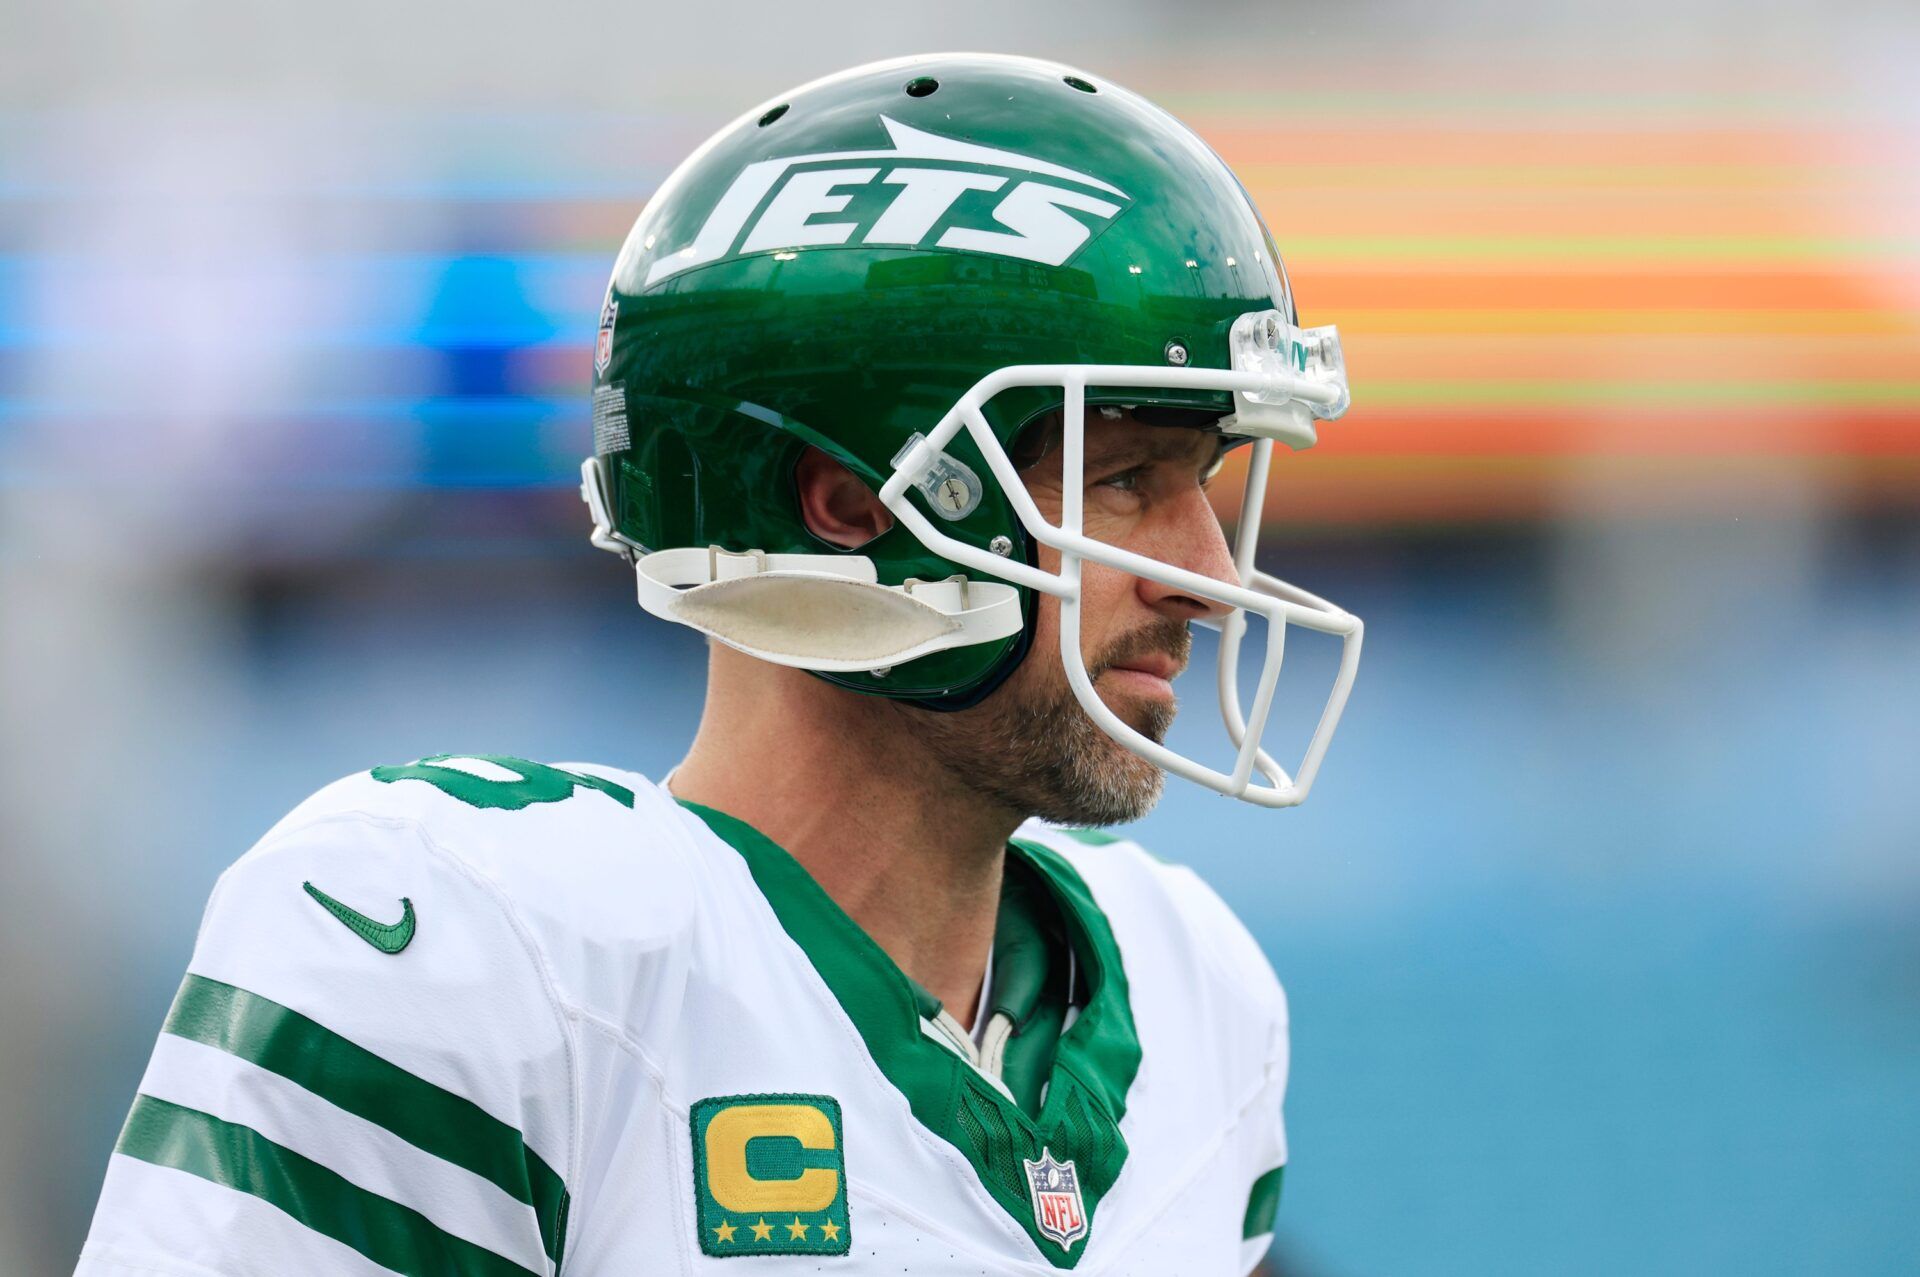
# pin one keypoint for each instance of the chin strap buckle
(731, 565)
(949, 594)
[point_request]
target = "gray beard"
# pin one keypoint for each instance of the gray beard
(1045, 757)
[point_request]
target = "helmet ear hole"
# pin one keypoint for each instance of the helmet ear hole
(835, 505)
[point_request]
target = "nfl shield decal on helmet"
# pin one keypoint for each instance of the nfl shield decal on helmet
(603, 349)
(1058, 1211)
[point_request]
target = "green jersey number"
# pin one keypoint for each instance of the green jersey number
(533, 783)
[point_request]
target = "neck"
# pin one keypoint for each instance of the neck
(843, 783)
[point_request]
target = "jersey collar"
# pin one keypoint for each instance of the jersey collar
(1093, 1065)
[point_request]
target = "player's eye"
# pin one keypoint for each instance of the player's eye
(1127, 480)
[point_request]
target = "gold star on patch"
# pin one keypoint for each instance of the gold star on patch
(830, 1231)
(762, 1231)
(796, 1231)
(725, 1231)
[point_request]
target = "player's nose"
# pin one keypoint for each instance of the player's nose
(1190, 537)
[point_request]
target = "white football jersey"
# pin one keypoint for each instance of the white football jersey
(488, 1016)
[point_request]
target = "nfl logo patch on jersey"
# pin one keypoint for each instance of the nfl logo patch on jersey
(770, 1176)
(1057, 1209)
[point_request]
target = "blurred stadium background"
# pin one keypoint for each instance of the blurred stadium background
(1600, 928)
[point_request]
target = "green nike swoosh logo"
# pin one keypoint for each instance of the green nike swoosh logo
(386, 937)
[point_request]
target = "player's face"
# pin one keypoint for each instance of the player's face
(1030, 745)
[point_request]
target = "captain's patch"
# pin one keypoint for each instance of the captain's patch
(769, 1175)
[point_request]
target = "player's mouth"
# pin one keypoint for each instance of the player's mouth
(1149, 675)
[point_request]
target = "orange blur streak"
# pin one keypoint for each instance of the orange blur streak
(1491, 433)
(1674, 358)
(1708, 289)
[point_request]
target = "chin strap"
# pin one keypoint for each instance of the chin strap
(825, 612)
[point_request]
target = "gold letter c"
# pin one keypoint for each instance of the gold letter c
(737, 1191)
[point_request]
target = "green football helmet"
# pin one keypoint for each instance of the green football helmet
(904, 266)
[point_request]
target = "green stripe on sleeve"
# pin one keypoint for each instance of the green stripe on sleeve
(1263, 1204)
(449, 1126)
(239, 1157)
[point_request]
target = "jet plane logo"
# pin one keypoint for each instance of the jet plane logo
(1043, 212)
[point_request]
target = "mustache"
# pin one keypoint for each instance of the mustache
(1168, 636)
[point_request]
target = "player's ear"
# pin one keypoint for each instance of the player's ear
(837, 506)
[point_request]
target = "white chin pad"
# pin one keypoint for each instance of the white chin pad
(818, 622)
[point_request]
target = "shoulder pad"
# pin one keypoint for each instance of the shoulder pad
(591, 862)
